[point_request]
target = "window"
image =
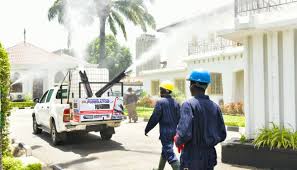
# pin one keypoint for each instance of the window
(180, 85)
(42, 100)
(50, 93)
(63, 94)
(155, 87)
(216, 87)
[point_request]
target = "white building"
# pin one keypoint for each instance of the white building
(34, 70)
(223, 58)
(268, 32)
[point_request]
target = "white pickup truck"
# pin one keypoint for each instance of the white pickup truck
(101, 114)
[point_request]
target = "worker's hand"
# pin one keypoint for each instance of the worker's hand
(180, 147)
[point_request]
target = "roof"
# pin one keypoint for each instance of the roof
(27, 54)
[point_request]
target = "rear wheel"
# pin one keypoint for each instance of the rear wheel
(36, 129)
(56, 137)
(107, 133)
(105, 136)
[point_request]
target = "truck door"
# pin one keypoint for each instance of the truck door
(40, 108)
(46, 105)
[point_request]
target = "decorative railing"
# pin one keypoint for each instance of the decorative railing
(204, 46)
(247, 7)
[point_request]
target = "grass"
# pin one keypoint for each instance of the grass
(146, 112)
(234, 120)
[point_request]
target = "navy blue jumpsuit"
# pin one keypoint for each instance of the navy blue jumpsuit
(167, 114)
(200, 128)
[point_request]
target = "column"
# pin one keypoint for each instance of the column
(273, 78)
(228, 86)
(248, 107)
(258, 82)
(289, 79)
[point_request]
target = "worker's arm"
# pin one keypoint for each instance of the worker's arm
(222, 127)
(155, 118)
(184, 127)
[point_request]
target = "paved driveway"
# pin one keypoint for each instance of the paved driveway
(129, 149)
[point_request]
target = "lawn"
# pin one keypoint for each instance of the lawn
(229, 120)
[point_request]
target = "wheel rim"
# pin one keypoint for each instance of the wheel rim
(53, 133)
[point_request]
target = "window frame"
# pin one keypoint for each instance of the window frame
(49, 95)
(43, 97)
(155, 90)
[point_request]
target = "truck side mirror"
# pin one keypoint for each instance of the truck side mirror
(36, 100)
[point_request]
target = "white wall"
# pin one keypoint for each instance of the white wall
(171, 76)
(271, 80)
(227, 63)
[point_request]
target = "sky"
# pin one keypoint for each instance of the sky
(15, 15)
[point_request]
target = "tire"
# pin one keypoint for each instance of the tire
(36, 129)
(105, 135)
(55, 136)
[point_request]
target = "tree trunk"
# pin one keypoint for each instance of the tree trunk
(102, 42)
(68, 40)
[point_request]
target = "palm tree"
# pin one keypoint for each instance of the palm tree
(113, 12)
(57, 10)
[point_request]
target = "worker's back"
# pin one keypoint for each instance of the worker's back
(208, 124)
(167, 114)
(207, 130)
(170, 116)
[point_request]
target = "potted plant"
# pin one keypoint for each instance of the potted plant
(274, 147)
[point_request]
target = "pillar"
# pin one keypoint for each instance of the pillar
(289, 80)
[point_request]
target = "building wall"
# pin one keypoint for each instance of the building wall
(143, 44)
(271, 83)
(228, 64)
(171, 76)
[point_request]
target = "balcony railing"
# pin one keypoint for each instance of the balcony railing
(247, 7)
(205, 46)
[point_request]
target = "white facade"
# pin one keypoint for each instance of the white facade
(229, 63)
(34, 70)
(270, 56)
(189, 51)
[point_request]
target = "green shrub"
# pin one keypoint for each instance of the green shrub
(22, 104)
(276, 137)
(243, 139)
(178, 96)
(145, 101)
(4, 87)
(233, 108)
(10, 163)
(36, 166)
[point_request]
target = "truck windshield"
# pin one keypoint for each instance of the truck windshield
(62, 94)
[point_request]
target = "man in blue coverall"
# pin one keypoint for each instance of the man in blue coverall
(167, 114)
(200, 127)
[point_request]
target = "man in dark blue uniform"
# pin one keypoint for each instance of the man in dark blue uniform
(167, 114)
(201, 126)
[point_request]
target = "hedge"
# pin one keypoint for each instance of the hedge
(10, 163)
(4, 87)
(22, 104)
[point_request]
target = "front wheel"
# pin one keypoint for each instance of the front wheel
(36, 129)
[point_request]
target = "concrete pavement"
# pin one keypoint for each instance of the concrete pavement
(129, 149)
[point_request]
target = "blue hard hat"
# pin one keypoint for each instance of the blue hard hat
(201, 76)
